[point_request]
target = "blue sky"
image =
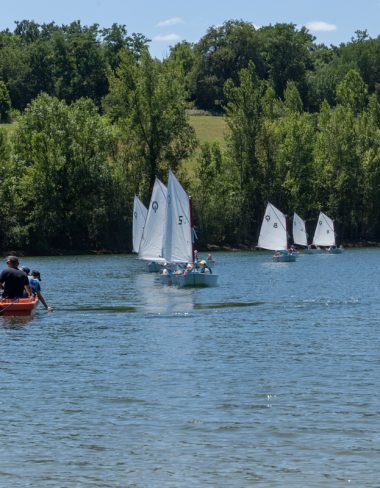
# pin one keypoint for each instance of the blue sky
(167, 22)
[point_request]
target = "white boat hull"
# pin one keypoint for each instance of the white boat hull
(335, 250)
(154, 267)
(200, 280)
(285, 258)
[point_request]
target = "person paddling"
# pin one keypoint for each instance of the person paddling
(14, 280)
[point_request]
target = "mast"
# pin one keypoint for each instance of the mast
(286, 230)
(192, 230)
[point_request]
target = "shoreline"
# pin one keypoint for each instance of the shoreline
(208, 248)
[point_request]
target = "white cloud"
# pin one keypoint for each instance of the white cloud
(167, 38)
(172, 21)
(320, 26)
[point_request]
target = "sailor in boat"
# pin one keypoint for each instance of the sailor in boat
(204, 268)
(14, 281)
(281, 252)
(210, 261)
(195, 258)
(167, 269)
(189, 269)
(167, 272)
(179, 269)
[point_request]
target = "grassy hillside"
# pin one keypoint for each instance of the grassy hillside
(9, 128)
(208, 128)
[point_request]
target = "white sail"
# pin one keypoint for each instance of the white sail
(178, 233)
(273, 233)
(153, 235)
(139, 217)
(324, 233)
(299, 230)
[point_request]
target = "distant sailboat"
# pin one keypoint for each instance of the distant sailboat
(324, 235)
(299, 231)
(300, 236)
(274, 235)
(179, 239)
(151, 246)
(139, 217)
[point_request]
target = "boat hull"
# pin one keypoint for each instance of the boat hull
(190, 280)
(335, 250)
(313, 251)
(154, 267)
(10, 307)
(285, 258)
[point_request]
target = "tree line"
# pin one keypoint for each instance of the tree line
(98, 118)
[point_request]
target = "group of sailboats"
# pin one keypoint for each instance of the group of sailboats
(167, 236)
(324, 235)
(274, 235)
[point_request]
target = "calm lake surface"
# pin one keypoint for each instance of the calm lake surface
(269, 380)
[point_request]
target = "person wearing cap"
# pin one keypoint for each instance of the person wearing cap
(14, 281)
(203, 267)
(34, 282)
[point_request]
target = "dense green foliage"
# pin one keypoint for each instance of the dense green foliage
(69, 62)
(98, 119)
(5, 103)
(147, 100)
(63, 190)
(299, 161)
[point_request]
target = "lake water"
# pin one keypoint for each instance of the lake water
(269, 380)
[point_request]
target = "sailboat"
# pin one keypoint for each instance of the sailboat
(179, 240)
(139, 217)
(300, 235)
(274, 235)
(153, 234)
(299, 231)
(324, 235)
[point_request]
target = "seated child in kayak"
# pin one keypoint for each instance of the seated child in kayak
(34, 282)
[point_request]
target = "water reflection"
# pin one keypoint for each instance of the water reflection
(157, 298)
(110, 309)
(201, 306)
(15, 322)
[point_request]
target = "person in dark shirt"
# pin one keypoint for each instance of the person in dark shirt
(14, 280)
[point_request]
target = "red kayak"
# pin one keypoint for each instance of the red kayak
(18, 306)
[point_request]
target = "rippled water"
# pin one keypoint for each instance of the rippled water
(269, 380)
